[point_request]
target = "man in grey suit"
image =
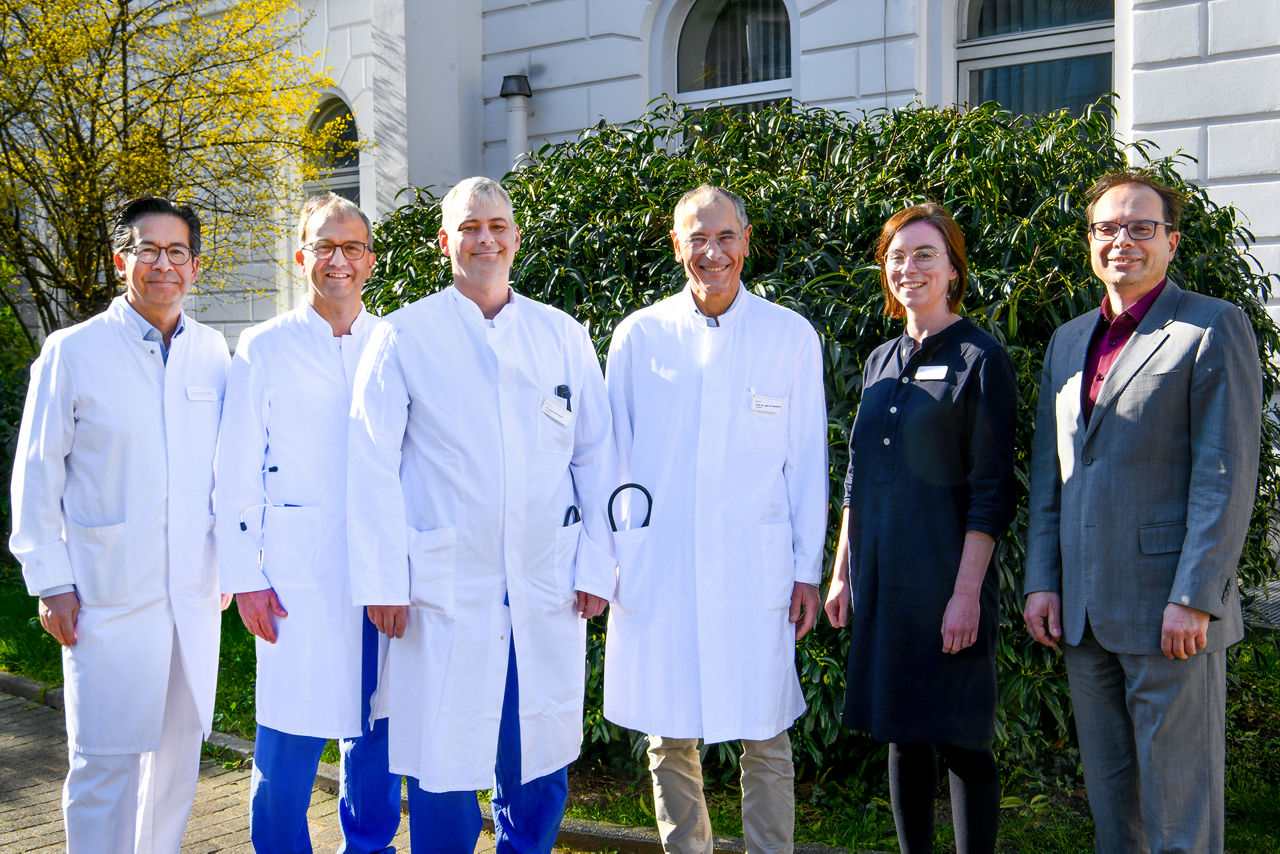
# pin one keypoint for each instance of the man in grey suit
(1143, 472)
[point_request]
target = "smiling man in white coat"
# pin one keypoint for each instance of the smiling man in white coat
(113, 525)
(718, 411)
(281, 504)
(480, 436)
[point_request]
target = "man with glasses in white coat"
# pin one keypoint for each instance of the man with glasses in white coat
(113, 526)
(481, 463)
(282, 544)
(718, 411)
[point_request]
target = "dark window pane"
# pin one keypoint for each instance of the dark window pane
(1072, 84)
(343, 153)
(998, 17)
(728, 43)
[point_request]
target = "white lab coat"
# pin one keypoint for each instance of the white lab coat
(111, 493)
(282, 471)
(463, 464)
(726, 426)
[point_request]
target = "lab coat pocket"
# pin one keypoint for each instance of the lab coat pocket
(204, 411)
(100, 563)
(555, 432)
(768, 422)
(633, 569)
(432, 564)
(777, 565)
(566, 554)
(290, 546)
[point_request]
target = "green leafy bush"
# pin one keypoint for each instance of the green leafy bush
(596, 213)
(16, 355)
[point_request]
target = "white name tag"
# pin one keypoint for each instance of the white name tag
(931, 372)
(557, 412)
(200, 392)
(771, 405)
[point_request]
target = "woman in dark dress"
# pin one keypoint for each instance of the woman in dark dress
(929, 491)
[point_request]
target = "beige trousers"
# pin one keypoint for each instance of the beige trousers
(768, 795)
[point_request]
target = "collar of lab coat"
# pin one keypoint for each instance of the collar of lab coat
(471, 313)
(320, 327)
(120, 310)
(730, 314)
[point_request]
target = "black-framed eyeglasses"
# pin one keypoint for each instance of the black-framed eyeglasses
(352, 250)
(1138, 229)
(149, 253)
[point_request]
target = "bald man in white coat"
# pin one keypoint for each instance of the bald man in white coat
(718, 411)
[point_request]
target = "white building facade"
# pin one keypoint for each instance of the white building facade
(422, 78)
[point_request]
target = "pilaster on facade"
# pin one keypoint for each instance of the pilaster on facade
(1205, 80)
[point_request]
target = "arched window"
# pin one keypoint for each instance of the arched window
(734, 51)
(1035, 57)
(339, 164)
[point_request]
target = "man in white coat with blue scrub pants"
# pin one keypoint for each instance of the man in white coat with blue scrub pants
(113, 525)
(481, 461)
(718, 411)
(281, 504)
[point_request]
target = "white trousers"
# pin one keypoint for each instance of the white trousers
(138, 802)
(768, 795)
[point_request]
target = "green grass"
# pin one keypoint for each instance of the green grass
(850, 811)
(25, 647)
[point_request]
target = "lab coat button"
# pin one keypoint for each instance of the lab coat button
(906, 380)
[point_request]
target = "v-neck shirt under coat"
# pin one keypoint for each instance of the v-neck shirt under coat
(931, 457)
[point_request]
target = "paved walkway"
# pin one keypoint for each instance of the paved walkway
(33, 762)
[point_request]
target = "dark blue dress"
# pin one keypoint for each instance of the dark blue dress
(931, 457)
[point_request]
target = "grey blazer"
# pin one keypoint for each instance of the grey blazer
(1150, 503)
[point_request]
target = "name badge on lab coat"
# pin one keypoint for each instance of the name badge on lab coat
(557, 412)
(200, 392)
(771, 405)
(931, 372)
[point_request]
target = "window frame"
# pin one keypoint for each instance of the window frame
(342, 180)
(667, 32)
(1026, 47)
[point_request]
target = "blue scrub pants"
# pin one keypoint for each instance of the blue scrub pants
(284, 773)
(526, 818)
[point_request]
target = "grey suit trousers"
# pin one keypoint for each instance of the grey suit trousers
(1152, 736)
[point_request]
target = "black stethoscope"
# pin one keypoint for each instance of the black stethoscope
(647, 513)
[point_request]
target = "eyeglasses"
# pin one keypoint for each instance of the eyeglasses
(353, 250)
(701, 243)
(1138, 229)
(924, 259)
(148, 253)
